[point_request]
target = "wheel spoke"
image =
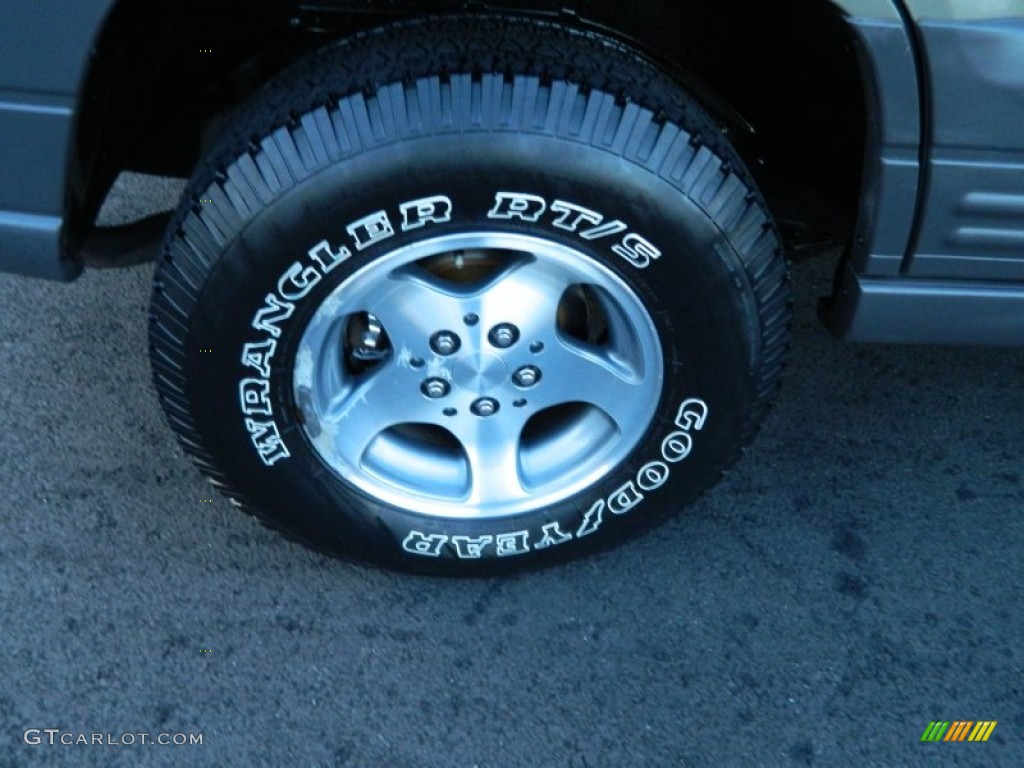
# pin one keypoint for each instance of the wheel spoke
(385, 397)
(411, 307)
(576, 373)
(526, 293)
(425, 378)
(492, 451)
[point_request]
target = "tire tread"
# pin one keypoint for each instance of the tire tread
(379, 86)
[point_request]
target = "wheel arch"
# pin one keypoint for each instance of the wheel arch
(163, 76)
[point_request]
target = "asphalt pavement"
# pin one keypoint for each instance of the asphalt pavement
(856, 577)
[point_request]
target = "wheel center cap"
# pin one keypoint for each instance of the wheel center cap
(479, 372)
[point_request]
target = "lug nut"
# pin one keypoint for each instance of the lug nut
(503, 336)
(526, 376)
(484, 407)
(445, 343)
(435, 389)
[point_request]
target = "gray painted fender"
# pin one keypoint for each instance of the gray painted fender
(46, 46)
(959, 276)
(892, 163)
(880, 10)
(912, 311)
(40, 80)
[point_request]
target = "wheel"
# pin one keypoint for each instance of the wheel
(468, 294)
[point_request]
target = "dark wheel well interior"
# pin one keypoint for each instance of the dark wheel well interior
(781, 77)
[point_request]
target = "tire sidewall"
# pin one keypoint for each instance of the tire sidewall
(694, 293)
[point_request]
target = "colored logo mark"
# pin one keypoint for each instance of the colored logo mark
(959, 730)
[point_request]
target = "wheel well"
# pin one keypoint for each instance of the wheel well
(781, 77)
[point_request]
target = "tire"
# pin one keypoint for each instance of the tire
(470, 294)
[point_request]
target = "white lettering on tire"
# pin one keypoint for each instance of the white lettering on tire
(634, 248)
(432, 210)
(428, 545)
(652, 476)
(571, 216)
(592, 520)
(605, 230)
(254, 395)
(470, 548)
(297, 281)
(675, 447)
(327, 259)
(274, 311)
(293, 285)
(302, 276)
(258, 355)
(637, 250)
(624, 498)
(553, 536)
(267, 440)
(692, 414)
(516, 205)
(517, 543)
(370, 230)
